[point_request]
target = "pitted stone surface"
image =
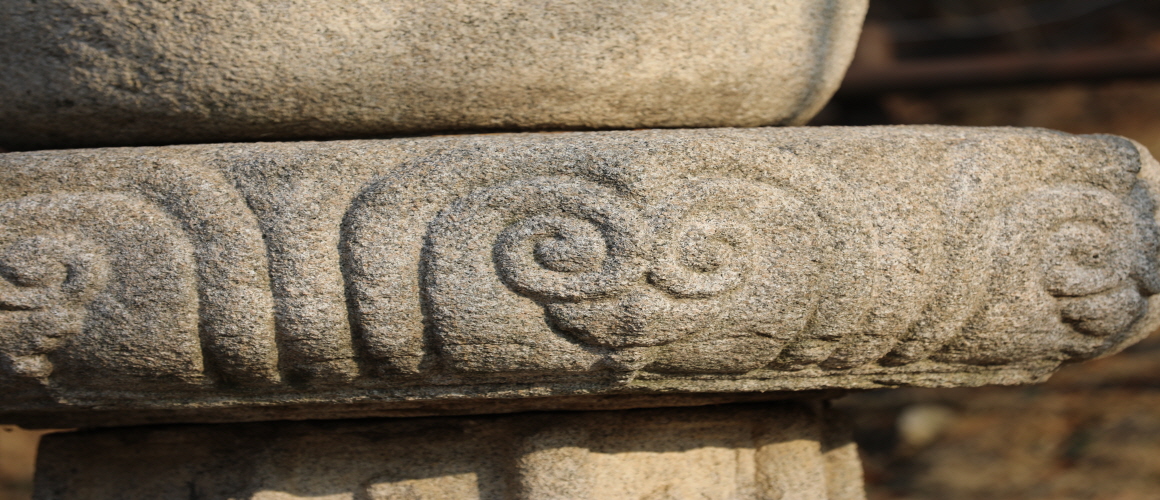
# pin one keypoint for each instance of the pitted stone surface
(450, 274)
(780, 451)
(92, 73)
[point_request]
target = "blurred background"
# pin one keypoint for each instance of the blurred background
(1081, 66)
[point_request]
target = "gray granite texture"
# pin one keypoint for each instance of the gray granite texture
(580, 270)
(95, 73)
(767, 452)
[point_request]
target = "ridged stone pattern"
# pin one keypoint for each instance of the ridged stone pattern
(94, 73)
(241, 281)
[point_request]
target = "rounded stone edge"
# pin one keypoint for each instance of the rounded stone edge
(1145, 326)
(841, 44)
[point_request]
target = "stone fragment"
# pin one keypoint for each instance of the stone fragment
(83, 73)
(788, 451)
(574, 270)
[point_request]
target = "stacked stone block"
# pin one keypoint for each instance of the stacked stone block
(523, 297)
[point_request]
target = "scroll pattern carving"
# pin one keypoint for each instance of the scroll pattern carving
(1080, 255)
(624, 278)
(48, 281)
(145, 284)
(59, 253)
(729, 276)
(1088, 267)
(156, 273)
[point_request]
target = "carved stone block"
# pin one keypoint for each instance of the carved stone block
(84, 73)
(781, 451)
(500, 272)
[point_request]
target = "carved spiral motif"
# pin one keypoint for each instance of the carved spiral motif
(610, 280)
(110, 282)
(609, 270)
(708, 258)
(1087, 269)
(1089, 260)
(1081, 259)
(48, 280)
(592, 247)
(1075, 253)
(152, 266)
(77, 279)
(50, 269)
(596, 250)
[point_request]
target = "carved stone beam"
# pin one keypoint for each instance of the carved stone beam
(578, 270)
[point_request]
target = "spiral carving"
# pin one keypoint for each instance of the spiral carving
(1089, 261)
(709, 257)
(597, 249)
(111, 283)
(608, 278)
(48, 280)
(594, 248)
(560, 273)
(44, 270)
(1077, 255)
(1087, 269)
(618, 274)
(59, 256)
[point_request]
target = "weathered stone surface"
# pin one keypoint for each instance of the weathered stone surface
(107, 72)
(787, 451)
(452, 274)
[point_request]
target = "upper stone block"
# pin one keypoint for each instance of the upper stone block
(241, 281)
(85, 73)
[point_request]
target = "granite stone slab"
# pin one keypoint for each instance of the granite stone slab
(95, 73)
(788, 451)
(580, 270)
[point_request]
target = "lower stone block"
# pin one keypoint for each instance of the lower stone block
(791, 450)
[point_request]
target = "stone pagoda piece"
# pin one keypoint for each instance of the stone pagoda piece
(659, 313)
